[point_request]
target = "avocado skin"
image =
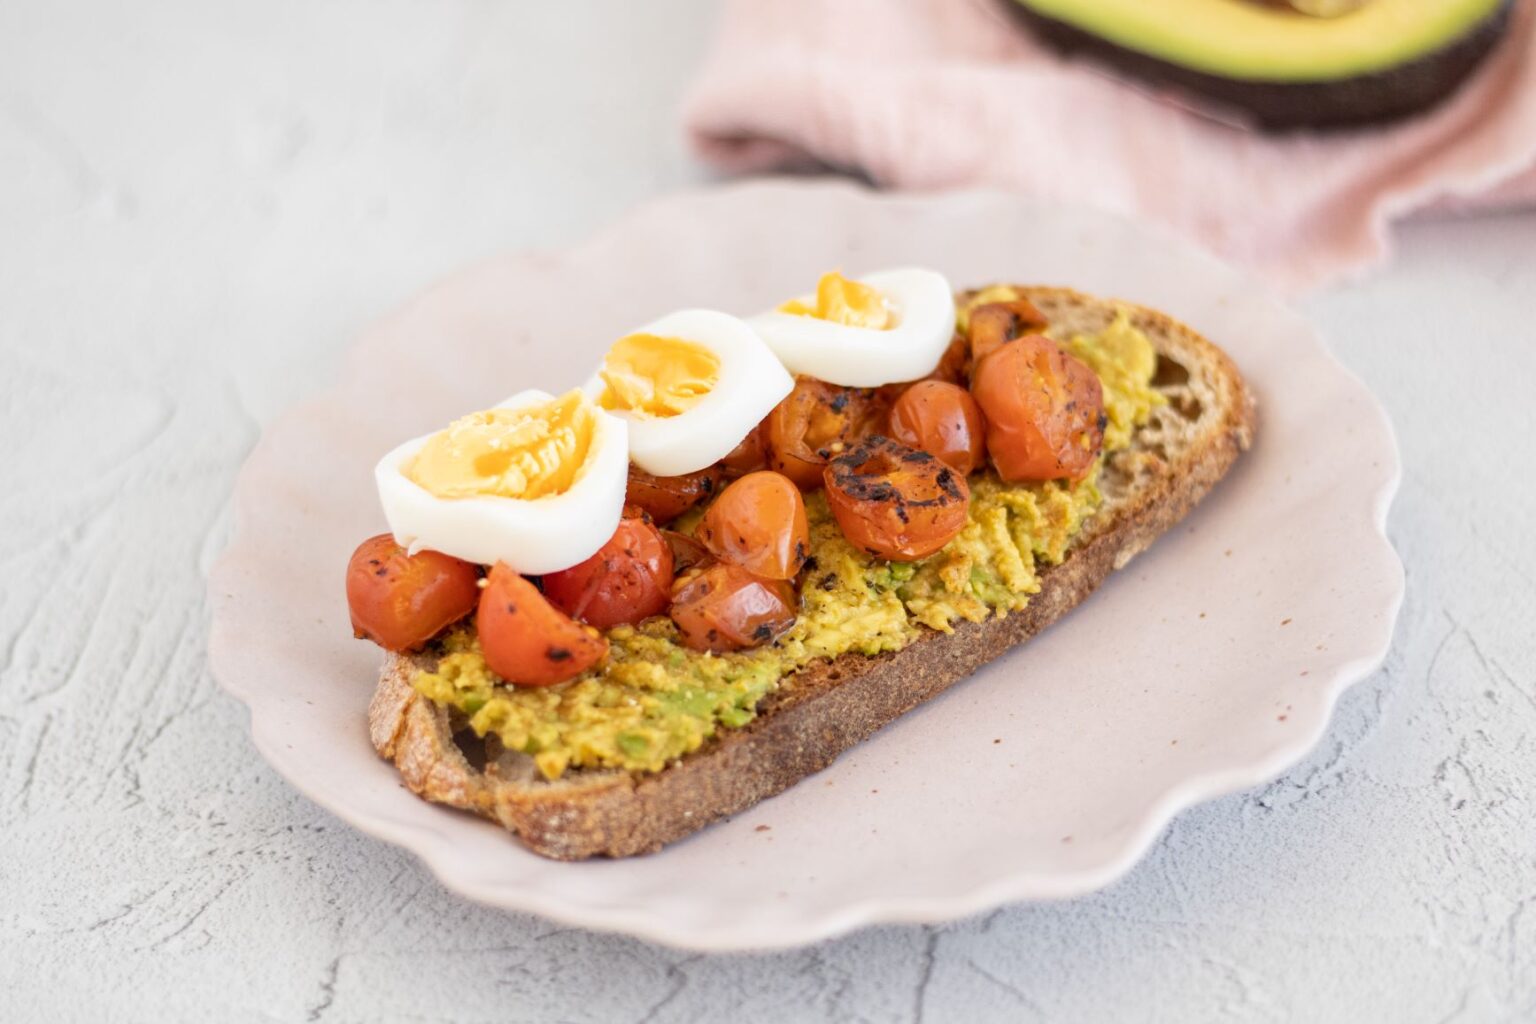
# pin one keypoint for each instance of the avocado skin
(1375, 98)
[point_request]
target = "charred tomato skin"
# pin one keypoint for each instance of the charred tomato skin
(626, 580)
(894, 501)
(664, 498)
(399, 600)
(526, 640)
(997, 323)
(814, 423)
(1044, 411)
(758, 522)
(726, 608)
(944, 420)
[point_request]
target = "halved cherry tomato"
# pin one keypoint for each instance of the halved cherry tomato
(997, 323)
(1044, 410)
(626, 580)
(665, 498)
(941, 419)
(687, 553)
(528, 641)
(816, 422)
(747, 457)
(758, 523)
(895, 501)
(726, 608)
(401, 601)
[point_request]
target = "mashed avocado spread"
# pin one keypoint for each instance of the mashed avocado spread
(656, 700)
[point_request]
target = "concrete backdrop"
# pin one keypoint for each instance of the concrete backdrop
(201, 202)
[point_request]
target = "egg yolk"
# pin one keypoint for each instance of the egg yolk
(850, 303)
(657, 376)
(533, 452)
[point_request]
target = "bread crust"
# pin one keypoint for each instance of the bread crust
(822, 710)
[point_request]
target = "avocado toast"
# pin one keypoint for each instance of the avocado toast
(1178, 448)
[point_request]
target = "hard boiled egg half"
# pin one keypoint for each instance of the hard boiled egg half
(536, 482)
(690, 386)
(885, 327)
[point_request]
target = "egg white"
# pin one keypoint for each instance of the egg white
(752, 381)
(533, 536)
(863, 357)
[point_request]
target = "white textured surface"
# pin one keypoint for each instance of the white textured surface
(196, 199)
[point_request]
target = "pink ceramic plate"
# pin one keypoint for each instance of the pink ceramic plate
(1210, 664)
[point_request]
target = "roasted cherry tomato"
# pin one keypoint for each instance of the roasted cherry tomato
(814, 423)
(758, 523)
(885, 396)
(1044, 410)
(941, 419)
(955, 364)
(401, 601)
(665, 498)
(628, 579)
(997, 323)
(895, 501)
(687, 553)
(747, 457)
(528, 641)
(726, 608)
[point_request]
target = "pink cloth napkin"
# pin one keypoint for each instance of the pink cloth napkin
(929, 94)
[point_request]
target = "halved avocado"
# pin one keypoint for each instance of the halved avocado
(1387, 59)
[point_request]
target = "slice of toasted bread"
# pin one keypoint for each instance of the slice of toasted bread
(820, 711)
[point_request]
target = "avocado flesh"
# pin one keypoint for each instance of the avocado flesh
(1345, 100)
(1252, 41)
(1326, 8)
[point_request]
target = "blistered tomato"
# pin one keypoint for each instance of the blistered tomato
(758, 523)
(726, 608)
(401, 601)
(817, 422)
(998, 323)
(664, 498)
(943, 420)
(1044, 410)
(526, 640)
(894, 501)
(628, 579)
(687, 552)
